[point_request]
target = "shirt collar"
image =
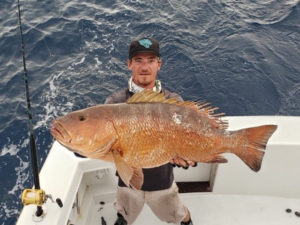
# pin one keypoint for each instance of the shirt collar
(134, 88)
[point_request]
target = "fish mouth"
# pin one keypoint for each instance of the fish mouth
(60, 133)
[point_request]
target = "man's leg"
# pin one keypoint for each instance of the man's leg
(187, 220)
(129, 203)
(120, 220)
(167, 205)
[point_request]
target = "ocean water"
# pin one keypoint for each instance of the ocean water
(242, 56)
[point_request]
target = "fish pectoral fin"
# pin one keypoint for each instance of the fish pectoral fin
(137, 178)
(132, 177)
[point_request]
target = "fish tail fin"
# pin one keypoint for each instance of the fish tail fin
(254, 143)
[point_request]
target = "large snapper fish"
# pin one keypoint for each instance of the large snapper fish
(149, 130)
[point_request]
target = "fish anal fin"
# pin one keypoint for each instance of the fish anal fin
(132, 177)
(218, 159)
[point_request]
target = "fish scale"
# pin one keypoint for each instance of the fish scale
(159, 134)
(143, 133)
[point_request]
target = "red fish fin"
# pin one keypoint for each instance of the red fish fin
(218, 159)
(137, 179)
(132, 177)
(256, 139)
(215, 118)
(147, 96)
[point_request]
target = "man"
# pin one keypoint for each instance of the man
(159, 190)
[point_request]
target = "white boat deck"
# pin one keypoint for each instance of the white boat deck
(208, 209)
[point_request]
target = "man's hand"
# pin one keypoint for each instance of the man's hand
(180, 162)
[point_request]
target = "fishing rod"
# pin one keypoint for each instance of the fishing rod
(36, 195)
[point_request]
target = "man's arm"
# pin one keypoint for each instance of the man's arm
(117, 97)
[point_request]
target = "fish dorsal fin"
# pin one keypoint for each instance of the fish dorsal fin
(149, 96)
(216, 118)
(146, 96)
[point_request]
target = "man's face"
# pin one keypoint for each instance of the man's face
(144, 68)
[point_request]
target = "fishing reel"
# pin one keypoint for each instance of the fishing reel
(38, 197)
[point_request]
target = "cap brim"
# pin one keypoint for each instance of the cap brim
(144, 51)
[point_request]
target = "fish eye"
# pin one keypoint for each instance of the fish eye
(81, 118)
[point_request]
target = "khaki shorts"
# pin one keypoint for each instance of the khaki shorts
(165, 204)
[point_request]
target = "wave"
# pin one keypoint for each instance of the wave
(258, 12)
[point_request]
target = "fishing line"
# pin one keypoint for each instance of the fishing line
(33, 151)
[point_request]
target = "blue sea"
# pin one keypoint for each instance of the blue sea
(242, 56)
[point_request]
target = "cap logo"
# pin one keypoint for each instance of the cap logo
(145, 42)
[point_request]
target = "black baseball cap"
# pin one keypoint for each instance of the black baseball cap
(148, 45)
